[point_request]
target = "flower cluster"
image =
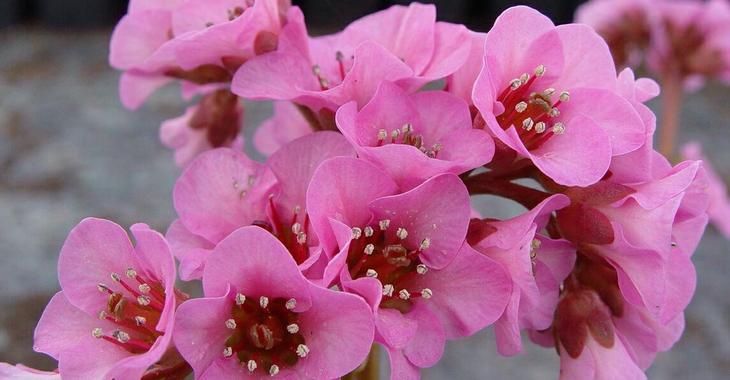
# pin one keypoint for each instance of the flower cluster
(359, 229)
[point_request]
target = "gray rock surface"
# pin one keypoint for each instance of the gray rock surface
(69, 150)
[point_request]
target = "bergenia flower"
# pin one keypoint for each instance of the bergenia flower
(719, 208)
(114, 316)
(549, 94)
(537, 266)
(405, 254)
(287, 124)
(260, 317)
(200, 42)
(461, 82)
(223, 190)
(215, 122)
(415, 136)
(398, 44)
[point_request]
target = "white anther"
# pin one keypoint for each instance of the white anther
(540, 127)
(140, 320)
(394, 134)
(121, 336)
(292, 328)
(263, 302)
(674, 244)
(228, 352)
(421, 269)
(436, 148)
(404, 295)
(291, 304)
(554, 112)
(302, 238)
(549, 92)
(425, 243)
(559, 128)
(564, 96)
(515, 84)
(369, 249)
(356, 232)
(240, 299)
(524, 78)
(521, 107)
(251, 365)
(102, 314)
(231, 324)
(540, 70)
(371, 273)
(144, 288)
(534, 246)
(97, 333)
(384, 224)
(273, 370)
(407, 128)
(131, 273)
(368, 231)
(296, 228)
(402, 233)
(426, 293)
(116, 277)
(302, 351)
(382, 134)
(528, 123)
(388, 290)
(143, 300)
(102, 288)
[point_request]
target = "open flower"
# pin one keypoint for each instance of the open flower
(549, 94)
(537, 266)
(115, 314)
(224, 190)
(405, 254)
(415, 136)
(260, 317)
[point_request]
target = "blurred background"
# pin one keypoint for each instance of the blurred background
(68, 150)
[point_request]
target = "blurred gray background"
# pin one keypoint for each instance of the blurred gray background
(69, 150)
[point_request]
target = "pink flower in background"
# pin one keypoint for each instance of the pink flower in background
(214, 122)
(260, 317)
(415, 136)
(116, 306)
(549, 93)
(537, 266)
(719, 208)
(224, 190)
(200, 42)
(405, 254)
(21, 372)
(287, 124)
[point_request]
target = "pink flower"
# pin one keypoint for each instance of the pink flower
(287, 124)
(114, 315)
(21, 372)
(215, 122)
(461, 82)
(405, 254)
(567, 117)
(223, 190)
(400, 44)
(198, 41)
(415, 136)
(260, 316)
(537, 266)
(719, 208)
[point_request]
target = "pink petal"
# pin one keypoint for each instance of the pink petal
(285, 125)
(450, 53)
(427, 346)
(135, 88)
(588, 61)
(137, 36)
(192, 250)
(395, 329)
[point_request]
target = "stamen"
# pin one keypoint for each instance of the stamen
(401, 233)
(131, 273)
(559, 128)
(394, 135)
(231, 324)
(540, 70)
(388, 290)
(240, 299)
(144, 288)
(368, 231)
(524, 78)
(548, 92)
(540, 127)
(143, 300)
(102, 314)
(116, 277)
(291, 304)
(356, 232)
(407, 128)
(371, 273)
(273, 370)
(528, 123)
(296, 228)
(382, 135)
(264, 302)
(534, 246)
(251, 365)
(302, 238)
(425, 243)
(404, 295)
(121, 336)
(384, 224)
(564, 96)
(369, 249)
(228, 352)
(521, 107)
(97, 333)
(104, 289)
(421, 269)
(140, 320)
(292, 328)
(515, 84)
(426, 293)
(302, 350)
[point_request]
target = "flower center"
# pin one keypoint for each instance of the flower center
(342, 68)
(265, 334)
(135, 309)
(381, 252)
(292, 233)
(406, 135)
(532, 113)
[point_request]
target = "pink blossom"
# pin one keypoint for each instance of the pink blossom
(549, 93)
(223, 190)
(461, 82)
(537, 266)
(287, 124)
(215, 122)
(21, 372)
(400, 44)
(719, 208)
(197, 41)
(116, 305)
(260, 316)
(404, 252)
(415, 136)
